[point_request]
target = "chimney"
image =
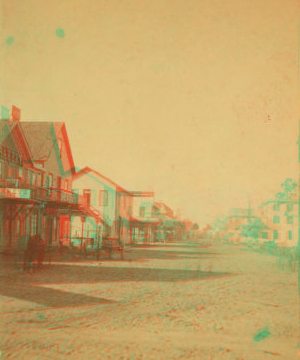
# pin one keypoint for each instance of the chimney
(16, 113)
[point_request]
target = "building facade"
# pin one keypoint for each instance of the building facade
(36, 168)
(282, 218)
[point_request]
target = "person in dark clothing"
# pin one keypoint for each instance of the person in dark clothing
(29, 254)
(40, 250)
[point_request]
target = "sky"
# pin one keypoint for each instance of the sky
(193, 99)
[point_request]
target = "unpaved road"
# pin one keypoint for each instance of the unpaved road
(162, 302)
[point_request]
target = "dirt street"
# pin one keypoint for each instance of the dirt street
(162, 302)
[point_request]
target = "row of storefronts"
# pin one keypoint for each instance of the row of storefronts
(41, 192)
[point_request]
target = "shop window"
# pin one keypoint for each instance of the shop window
(103, 197)
(276, 219)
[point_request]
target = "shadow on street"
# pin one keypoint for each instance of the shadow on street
(29, 287)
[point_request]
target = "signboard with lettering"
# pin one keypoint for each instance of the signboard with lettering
(15, 193)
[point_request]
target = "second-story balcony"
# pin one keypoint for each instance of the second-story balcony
(58, 196)
(10, 188)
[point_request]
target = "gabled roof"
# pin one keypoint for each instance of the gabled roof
(42, 139)
(6, 135)
(39, 136)
(161, 205)
(20, 138)
(13, 137)
(87, 170)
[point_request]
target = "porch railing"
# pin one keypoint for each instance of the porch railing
(61, 196)
(45, 194)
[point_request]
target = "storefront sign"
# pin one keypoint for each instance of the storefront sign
(15, 193)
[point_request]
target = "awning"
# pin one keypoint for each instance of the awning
(74, 210)
(140, 221)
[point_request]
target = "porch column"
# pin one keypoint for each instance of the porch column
(130, 234)
(83, 218)
(39, 219)
(9, 217)
(70, 228)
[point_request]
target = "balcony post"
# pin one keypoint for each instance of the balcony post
(39, 219)
(83, 218)
(70, 236)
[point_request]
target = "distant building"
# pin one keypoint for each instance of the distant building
(281, 216)
(238, 217)
(143, 220)
(167, 229)
(126, 215)
(110, 201)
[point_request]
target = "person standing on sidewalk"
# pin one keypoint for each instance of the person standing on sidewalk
(29, 254)
(40, 249)
(21, 248)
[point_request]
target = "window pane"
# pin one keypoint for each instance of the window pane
(275, 219)
(290, 219)
(33, 178)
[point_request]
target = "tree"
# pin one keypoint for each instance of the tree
(289, 186)
(281, 196)
(254, 229)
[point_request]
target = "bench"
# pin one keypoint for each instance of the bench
(111, 245)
